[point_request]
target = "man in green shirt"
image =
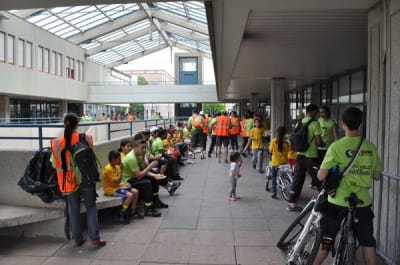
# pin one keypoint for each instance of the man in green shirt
(211, 125)
(329, 132)
(358, 180)
(308, 160)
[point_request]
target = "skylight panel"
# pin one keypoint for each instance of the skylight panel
(113, 35)
(91, 23)
(137, 26)
(69, 33)
(47, 21)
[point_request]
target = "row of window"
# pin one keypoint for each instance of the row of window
(48, 61)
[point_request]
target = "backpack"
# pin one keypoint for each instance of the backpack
(198, 122)
(299, 138)
(84, 163)
(40, 178)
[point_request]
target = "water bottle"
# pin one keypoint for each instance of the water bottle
(333, 180)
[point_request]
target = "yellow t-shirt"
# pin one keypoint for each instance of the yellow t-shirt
(278, 157)
(256, 135)
(168, 144)
(109, 180)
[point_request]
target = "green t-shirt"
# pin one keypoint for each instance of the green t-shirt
(185, 132)
(359, 178)
(249, 126)
(313, 130)
(158, 145)
(211, 123)
(327, 135)
(132, 163)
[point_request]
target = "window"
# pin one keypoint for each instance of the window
(40, 58)
(20, 52)
(2, 47)
(76, 67)
(59, 64)
(46, 55)
(53, 62)
(10, 49)
(72, 65)
(82, 72)
(68, 68)
(28, 54)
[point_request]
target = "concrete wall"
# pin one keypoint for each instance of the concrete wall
(383, 119)
(12, 167)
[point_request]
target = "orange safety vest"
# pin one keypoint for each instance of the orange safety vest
(235, 126)
(243, 125)
(57, 145)
(222, 126)
(205, 127)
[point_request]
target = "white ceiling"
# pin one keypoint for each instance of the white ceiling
(255, 41)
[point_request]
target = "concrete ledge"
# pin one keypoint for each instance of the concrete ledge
(21, 215)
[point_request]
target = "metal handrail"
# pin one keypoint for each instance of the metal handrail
(147, 123)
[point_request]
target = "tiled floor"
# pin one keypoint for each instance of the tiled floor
(199, 227)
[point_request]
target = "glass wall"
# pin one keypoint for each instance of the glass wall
(26, 110)
(338, 93)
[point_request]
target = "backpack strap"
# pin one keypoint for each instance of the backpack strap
(354, 156)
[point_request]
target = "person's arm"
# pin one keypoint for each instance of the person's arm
(322, 173)
(145, 171)
(335, 131)
(318, 140)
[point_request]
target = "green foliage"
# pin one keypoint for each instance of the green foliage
(142, 81)
(212, 108)
(134, 108)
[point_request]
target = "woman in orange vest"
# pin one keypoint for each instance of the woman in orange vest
(244, 134)
(75, 191)
(222, 132)
(234, 130)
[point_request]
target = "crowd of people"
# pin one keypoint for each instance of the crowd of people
(153, 157)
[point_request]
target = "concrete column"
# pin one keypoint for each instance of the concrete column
(254, 102)
(242, 107)
(4, 107)
(277, 104)
(62, 108)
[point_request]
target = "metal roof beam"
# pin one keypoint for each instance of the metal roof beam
(108, 27)
(191, 49)
(137, 55)
(201, 38)
(194, 26)
(27, 13)
(155, 21)
(118, 41)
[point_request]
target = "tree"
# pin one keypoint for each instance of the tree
(212, 108)
(141, 80)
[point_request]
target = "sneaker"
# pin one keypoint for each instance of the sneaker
(262, 171)
(292, 207)
(160, 204)
(237, 197)
(124, 217)
(137, 215)
(151, 211)
(202, 157)
(177, 178)
(209, 155)
(190, 162)
(232, 199)
(243, 154)
(173, 188)
(99, 243)
(273, 196)
(226, 161)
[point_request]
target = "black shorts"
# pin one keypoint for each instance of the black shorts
(334, 215)
(222, 140)
(197, 138)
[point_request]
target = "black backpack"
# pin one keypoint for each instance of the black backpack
(84, 162)
(40, 178)
(299, 138)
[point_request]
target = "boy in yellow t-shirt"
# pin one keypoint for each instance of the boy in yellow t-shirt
(257, 145)
(113, 186)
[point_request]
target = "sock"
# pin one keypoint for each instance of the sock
(124, 207)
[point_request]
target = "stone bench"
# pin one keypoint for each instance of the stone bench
(32, 221)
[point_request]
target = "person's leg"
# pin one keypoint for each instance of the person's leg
(155, 188)
(232, 192)
(254, 158)
(274, 172)
(321, 256)
(218, 148)
(369, 254)
(298, 179)
(144, 186)
(212, 145)
(226, 143)
(235, 142)
(89, 198)
(74, 214)
(312, 169)
(260, 156)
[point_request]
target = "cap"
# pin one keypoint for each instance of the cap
(153, 129)
(201, 112)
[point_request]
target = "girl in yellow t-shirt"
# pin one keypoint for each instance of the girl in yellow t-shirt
(279, 149)
(124, 148)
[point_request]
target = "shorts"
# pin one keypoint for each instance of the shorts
(197, 138)
(121, 192)
(222, 140)
(334, 215)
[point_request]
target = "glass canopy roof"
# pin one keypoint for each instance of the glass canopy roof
(115, 34)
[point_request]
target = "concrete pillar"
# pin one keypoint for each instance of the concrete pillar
(277, 104)
(242, 108)
(4, 107)
(62, 108)
(254, 102)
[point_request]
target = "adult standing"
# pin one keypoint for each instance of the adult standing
(86, 190)
(329, 130)
(211, 124)
(222, 132)
(308, 160)
(234, 131)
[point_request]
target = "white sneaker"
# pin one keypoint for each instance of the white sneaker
(190, 162)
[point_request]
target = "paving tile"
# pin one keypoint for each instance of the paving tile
(179, 222)
(258, 224)
(67, 261)
(209, 237)
(183, 211)
(220, 224)
(174, 236)
(259, 256)
(254, 238)
(18, 260)
(40, 247)
(171, 253)
(215, 211)
(221, 254)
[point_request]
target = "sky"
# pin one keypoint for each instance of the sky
(162, 60)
